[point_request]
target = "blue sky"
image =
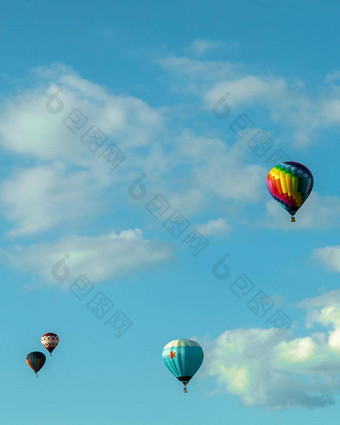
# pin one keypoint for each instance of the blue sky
(177, 96)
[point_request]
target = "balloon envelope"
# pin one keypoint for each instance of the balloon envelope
(36, 360)
(183, 357)
(50, 341)
(290, 184)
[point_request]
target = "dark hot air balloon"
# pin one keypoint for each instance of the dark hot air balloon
(36, 361)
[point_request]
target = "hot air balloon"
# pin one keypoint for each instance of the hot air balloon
(290, 183)
(36, 361)
(183, 357)
(50, 341)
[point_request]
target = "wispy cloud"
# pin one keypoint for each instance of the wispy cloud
(102, 258)
(218, 227)
(192, 170)
(64, 174)
(43, 197)
(287, 102)
(28, 128)
(329, 256)
(200, 47)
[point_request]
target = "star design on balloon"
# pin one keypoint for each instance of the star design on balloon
(172, 354)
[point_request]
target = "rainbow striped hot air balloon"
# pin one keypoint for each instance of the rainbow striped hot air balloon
(183, 357)
(290, 183)
(36, 361)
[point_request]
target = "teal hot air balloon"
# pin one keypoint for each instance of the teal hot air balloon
(183, 357)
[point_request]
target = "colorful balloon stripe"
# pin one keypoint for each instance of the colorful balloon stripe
(290, 183)
(36, 360)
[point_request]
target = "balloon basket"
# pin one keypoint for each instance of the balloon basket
(292, 219)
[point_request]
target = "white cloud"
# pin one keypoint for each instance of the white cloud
(216, 166)
(323, 309)
(288, 102)
(329, 256)
(196, 172)
(35, 123)
(100, 258)
(278, 372)
(326, 298)
(41, 198)
(196, 76)
(218, 227)
(248, 89)
(191, 170)
(200, 47)
(29, 126)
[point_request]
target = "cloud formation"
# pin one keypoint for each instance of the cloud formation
(194, 171)
(44, 127)
(287, 102)
(274, 372)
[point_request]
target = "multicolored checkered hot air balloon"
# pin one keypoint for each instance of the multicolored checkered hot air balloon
(290, 183)
(183, 357)
(36, 361)
(50, 341)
